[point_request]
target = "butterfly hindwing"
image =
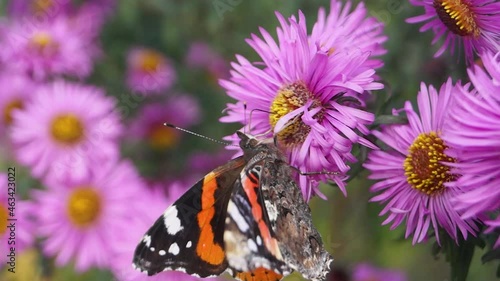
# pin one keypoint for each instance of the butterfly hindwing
(189, 235)
(259, 274)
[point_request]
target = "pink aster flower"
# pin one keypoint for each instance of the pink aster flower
(181, 110)
(345, 31)
(149, 71)
(65, 126)
(470, 23)
(80, 218)
(309, 97)
(153, 203)
(15, 92)
(475, 138)
(16, 225)
(368, 272)
(48, 48)
(413, 174)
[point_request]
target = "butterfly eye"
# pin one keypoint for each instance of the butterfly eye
(246, 145)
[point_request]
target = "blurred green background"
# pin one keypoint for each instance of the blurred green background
(350, 225)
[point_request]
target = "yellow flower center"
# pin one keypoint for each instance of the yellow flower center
(4, 215)
(11, 106)
(161, 138)
(423, 165)
(458, 16)
(84, 206)
(150, 61)
(43, 42)
(289, 98)
(67, 129)
(42, 5)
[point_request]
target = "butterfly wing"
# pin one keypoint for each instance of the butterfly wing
(189, 235)
(290, 218)
(259, 274)
(251, 246)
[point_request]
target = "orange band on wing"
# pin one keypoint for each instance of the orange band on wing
(259, 274)
(207, 249)
(250, 185)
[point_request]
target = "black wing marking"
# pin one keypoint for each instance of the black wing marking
(189, 235)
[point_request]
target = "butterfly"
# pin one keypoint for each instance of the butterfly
(247, 217)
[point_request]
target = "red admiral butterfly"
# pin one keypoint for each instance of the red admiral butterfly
(247, 217)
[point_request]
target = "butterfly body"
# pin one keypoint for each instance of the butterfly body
(247, 217)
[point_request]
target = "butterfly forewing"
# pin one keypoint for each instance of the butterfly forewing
(189, 235)
(250, 243)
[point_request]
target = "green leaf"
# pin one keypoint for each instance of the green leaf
(460, 255)
(491, 255)
(390, 120)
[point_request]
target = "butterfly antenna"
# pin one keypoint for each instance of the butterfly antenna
(245, 119)
(198, 135)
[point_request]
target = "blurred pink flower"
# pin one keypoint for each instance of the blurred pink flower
(40, 10)
(21, 236)
(66, 126)
(201, 55)
(149, 71)
(89, 18)
(474, 136)
(47, 49)
(180, 109)
(46, 10)
(80, 218)
(368, 272)
(200, 163)
(413, 174)
(310, 97)
(105, 6)
(86, 19)
(470, 23)
(15, 91)
(152, 204)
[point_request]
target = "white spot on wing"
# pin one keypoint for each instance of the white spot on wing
(162, 252)
(272, 213)
(174, 249)
(235, 214)
(259, 240)
(147, 240)
(252, 246)
(181, 269)
(172, 221)
(188, 244)
(152, 249)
